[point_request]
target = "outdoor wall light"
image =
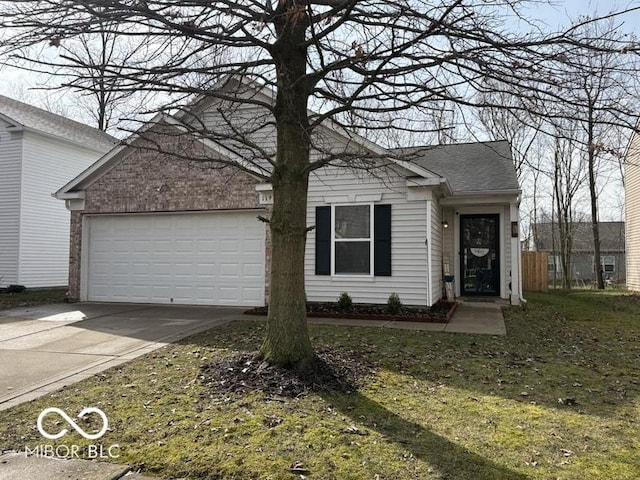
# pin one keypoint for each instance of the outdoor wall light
(445, 224)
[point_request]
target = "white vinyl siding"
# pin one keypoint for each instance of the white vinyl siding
(10, 175)
(449, 242)
(183, 258)
(632, 213)
(408, 232)
(436, 251)
(48, 163)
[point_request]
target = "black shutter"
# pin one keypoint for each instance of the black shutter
(323, 240)
(382, 240)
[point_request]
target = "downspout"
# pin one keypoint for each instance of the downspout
(515, 213)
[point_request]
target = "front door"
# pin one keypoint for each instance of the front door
(479, 255)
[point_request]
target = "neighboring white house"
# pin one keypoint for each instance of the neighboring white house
(632, 212)
(39, 151)
(152, 224)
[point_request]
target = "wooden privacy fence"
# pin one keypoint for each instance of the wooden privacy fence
(535, 271)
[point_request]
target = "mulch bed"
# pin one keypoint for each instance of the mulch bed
(439, 312)
(332, 370)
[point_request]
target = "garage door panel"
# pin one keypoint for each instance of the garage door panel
(162, 246)
(141, 246)
(184, 246)
(212, 258)
(187, 269)
(205, 268)
(121, 268)
(140, 268)
(252, 246)
(206, 246)
(101, 268)
(252, 270)
(229, 270)
(231, 246)
(253, 293)
(229, 293)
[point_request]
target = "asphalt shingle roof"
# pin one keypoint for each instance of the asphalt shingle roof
(611, 237)
(50, 123)
(469, 167)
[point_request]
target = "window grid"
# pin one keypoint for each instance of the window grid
(335, 240)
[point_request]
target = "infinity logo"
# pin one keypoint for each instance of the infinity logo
(69, 420)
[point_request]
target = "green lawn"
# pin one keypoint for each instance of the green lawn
(558, 398)
(33, 297)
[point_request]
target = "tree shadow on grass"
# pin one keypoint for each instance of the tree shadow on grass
(451, 460)
(594, 370)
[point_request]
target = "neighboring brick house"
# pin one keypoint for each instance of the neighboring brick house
(632, 211)
(583, 264)
(156, 221)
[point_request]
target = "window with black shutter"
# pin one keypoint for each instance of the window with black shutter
(357, 237)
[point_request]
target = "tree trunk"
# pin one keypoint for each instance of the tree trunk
(596, 230)
(594, 204)
(564, 223)
(287, 341)
(287, 338)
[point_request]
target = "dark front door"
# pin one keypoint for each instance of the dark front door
(479, 256)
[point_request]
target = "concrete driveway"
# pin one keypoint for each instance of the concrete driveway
(44, 348)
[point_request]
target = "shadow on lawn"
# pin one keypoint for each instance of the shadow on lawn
(547, 356)
(449, 459)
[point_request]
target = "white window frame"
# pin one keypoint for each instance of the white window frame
(603, 263)
(333, 240)
(557, 264)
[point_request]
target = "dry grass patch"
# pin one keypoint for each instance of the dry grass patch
(30, 297)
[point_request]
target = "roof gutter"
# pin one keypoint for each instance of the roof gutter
(77, 143)
(430, 182)
(470, 198)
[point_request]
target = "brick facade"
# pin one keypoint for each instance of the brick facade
(146, 180)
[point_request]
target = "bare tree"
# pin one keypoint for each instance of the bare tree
(96, 55)
(515, 124)
(598, 84)
(568, 176)
(90, 64)
(360, 65)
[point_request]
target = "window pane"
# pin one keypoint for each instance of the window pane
(352, 221)
(353, 257)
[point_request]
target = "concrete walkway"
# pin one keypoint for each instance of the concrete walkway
(18, 466)
(484, 318)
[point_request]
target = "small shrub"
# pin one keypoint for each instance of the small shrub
(344, 301)
(394, 305)
(16, 289)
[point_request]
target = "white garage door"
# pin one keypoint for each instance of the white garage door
(195, 258)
